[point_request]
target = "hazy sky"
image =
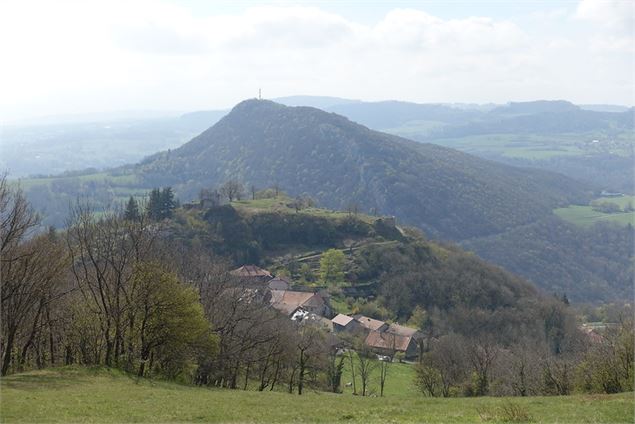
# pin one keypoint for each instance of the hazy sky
(60, 57)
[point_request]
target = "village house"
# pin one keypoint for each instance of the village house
(288, 302)
(252, 274)
(370, 324)
(388, 344)
(308, 318)
(346, 323)
(404, 331)
(381, 337)
(279, 283)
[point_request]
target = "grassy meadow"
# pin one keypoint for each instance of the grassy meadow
(74, 394)
(585, 215)
(281, 203)
(523, 146)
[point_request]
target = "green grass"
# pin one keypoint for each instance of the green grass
(399, 381)
(414, 128)
(533, 146)
(517, 146)
(620, 201)
(114, 180)
(279, 204)
(98, 395)
(339, 305)
(585, 215)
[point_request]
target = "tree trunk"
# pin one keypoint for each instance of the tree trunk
(51, 338)
(246, 376)
(29, 342)
(6, 360)
(275, 375)
(350, 357)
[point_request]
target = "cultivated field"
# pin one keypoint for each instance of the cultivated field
(99, 395)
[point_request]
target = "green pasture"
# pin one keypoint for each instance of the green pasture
(106, 396)
(585, 215)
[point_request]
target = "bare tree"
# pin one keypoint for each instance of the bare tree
(243, 320)
(31, 280)
(103, 253)
(32, 277)
(350, 353)
(427, 379)
(558, 375)
(383, 373)
(523, 367)
(365, 366)
(17, 219)
(232, 190)
(312, 349)
(335, 368)
(449, 357)
(481, 354)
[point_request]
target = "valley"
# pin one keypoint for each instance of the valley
(275, 211)
(448, 194)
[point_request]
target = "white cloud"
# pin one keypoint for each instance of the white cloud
(95, 56)
(613, 21)
(556, 14)
(618, 15)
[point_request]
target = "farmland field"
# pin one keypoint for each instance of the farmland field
(585, 215)
(100, 395)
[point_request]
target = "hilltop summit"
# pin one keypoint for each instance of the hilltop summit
(447, 193)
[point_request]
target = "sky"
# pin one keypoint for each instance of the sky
(78, 57)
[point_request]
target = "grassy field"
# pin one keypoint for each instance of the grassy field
(98, 395)
(118, 180)
(516, 146)
(585, 215)
(526, 146)
(399, 381)
(281, 202)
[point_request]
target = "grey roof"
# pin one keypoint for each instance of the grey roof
(370, 323)
(402, 330)
(342, 320)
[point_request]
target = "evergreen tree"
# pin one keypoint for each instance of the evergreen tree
(132, 210)
(161, 204)
(168, 204)
(154, 205)
(565, 299)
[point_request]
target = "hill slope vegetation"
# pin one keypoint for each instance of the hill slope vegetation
(449, 194)
(343, 165)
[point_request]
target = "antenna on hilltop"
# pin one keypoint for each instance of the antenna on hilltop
(259, 94)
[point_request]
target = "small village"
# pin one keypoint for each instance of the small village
(388, 341)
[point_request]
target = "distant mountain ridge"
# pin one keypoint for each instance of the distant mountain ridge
(447, 193)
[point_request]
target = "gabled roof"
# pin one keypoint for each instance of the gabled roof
(250, 271)
(593, 336)
(282, 278)
(388, 341)
(402, 330)
(343, 320)
(287, 301)
(279, 283)
(370, 323)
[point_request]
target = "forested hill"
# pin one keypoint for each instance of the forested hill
(388, 271)
(304, 150)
